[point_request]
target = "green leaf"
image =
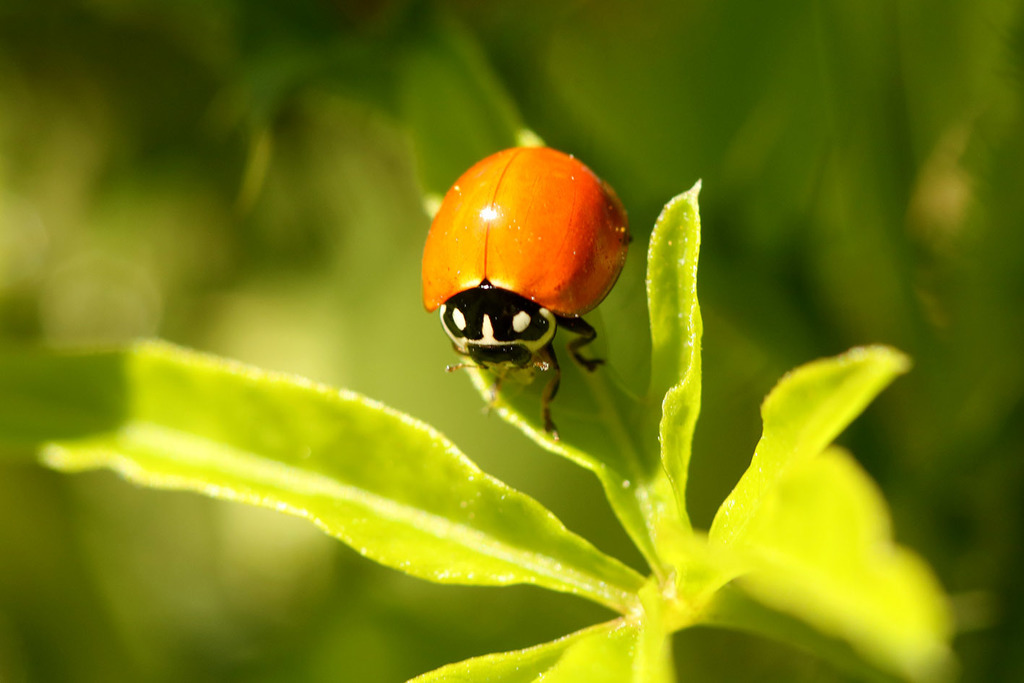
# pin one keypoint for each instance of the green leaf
(392, 488)
(604, 653)
(676, 329)
(597, 436)
(640, 454)
(802, 415)
(821, 549)
(811, 538)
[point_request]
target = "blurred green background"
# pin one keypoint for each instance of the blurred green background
(246, 178)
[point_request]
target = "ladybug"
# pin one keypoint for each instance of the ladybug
(526, 241)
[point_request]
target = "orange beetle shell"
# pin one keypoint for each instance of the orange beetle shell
(531, 220)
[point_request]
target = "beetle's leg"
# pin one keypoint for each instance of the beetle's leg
(584, 335)
(546, 360)
(464, 364)
(492, 395)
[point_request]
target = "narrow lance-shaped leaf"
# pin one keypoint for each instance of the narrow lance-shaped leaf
(802, 415)
(641, 464)
(821, 549)
(676, 330)
(389, 486)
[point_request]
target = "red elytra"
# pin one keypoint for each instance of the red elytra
(533, 221)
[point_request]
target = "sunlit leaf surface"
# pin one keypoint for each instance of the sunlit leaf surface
(802, 415)
(812, 532)
(676, 330)
(389, 486)
(641, 466)
(822, 549)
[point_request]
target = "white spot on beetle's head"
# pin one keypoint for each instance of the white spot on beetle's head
(487, 329)
(520, 321)
(459, 319)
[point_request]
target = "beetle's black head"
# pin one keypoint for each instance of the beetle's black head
(496, 327)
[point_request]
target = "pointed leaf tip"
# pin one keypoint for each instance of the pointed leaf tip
(803, 414)
(676, 329)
